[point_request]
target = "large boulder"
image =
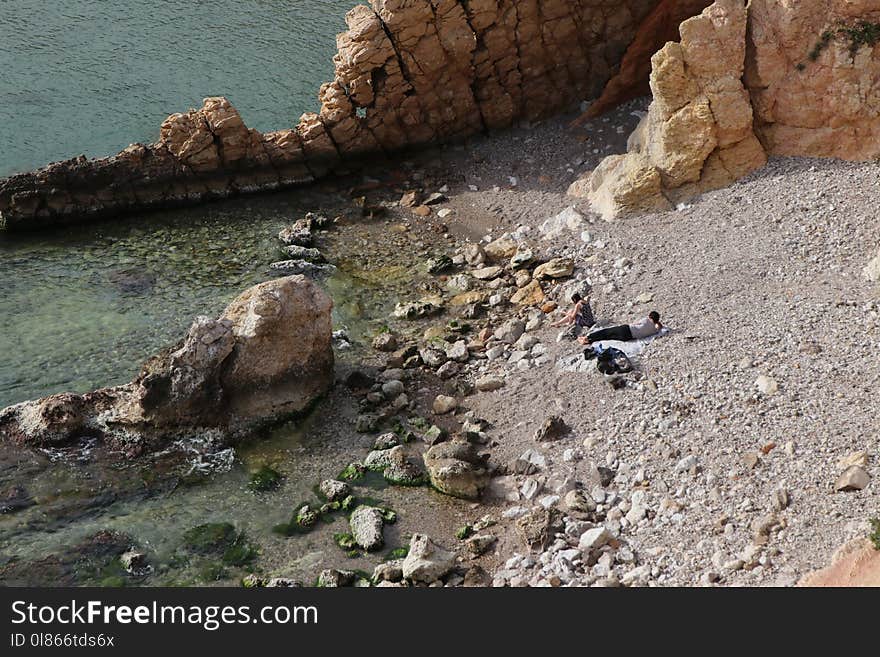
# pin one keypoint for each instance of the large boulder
(856, 563)
(282, 357)
(456, 469)
(267, 357)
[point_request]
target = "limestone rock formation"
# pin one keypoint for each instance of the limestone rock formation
(407, 74)
(697, 134)
(812, 73)
(856, 563)
(267, 357)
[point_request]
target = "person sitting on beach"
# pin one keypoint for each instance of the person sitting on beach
(643, 328)
(579, 317)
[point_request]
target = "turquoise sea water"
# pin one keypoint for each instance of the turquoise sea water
(92, 76)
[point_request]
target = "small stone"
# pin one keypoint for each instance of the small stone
(386, 342)
(393, 388)
(530, 295)
(489, 383)
(853, 478)
(856, 458)
(411, 199)
(487, 273)
(526, 342)
(522, 257)
(448, 370)
(440, 264)
(781, 499)
(687, 464)
(500, 249)
(548, 501)
(458, 352)
(510, 331)
(593, 539)
(366, 526)
(134, 562)
(422, 210)
(389, 571)
(553, 428)
(334, 490)
(767, 385)
(494, 353)
(480, 544)
(576, 501)
(426, 561)
(444, 404)
(530, 488)
(555, 269)
(332, 578)
(432, 356)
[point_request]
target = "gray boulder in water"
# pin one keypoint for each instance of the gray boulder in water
(267, 357)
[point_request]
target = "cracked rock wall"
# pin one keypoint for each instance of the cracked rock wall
(408, 73)
(780, 77)
(698, 132)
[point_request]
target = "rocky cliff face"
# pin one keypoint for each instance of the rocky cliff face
(814, 77)
(408, 72)
(268, 356)
(697, 134)
(778, 78)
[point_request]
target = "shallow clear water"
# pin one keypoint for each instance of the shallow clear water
(84, 307)
(81, 308)
(90, 77)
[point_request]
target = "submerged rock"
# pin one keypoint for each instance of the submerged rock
(15, 499)
(300, 266)
(415, 310)
(267, 357)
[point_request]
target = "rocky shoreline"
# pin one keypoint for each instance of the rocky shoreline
(407, 75)
(743, 449)
(710, 465)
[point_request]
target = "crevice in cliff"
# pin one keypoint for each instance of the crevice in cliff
(581, 30)
(519, 70)
(405, 73)
(404, 70)
(472, 79)
(361, 122)
(330, 137)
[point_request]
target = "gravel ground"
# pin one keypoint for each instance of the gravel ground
(715, 481)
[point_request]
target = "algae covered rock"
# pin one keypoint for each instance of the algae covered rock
(455, 469)
(265, 479)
